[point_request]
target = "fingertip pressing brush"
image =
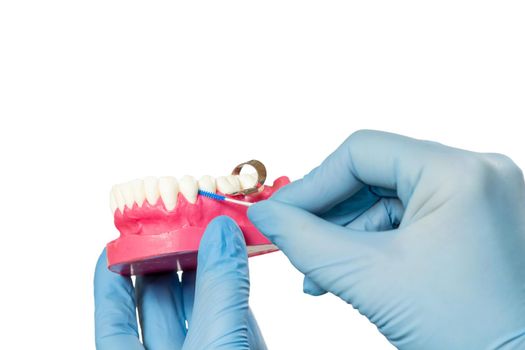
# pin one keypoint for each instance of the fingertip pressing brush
(220, 197)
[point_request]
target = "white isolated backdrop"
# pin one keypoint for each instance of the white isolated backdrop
(94, 93)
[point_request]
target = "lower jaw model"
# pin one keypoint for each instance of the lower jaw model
(161, 220)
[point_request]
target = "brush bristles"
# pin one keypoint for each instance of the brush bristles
(211, 195)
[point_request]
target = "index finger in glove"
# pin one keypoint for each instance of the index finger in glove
(367, 157)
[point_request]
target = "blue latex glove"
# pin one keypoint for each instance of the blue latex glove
(425, 240)
(214, 301)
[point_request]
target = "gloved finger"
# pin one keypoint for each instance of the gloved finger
(366, 157)
(115, 320)
(383, 192)
(255, 337)
(161, 312)
(351, 208)
(220, 309)
(386, 214)
(188, 293)
(315, 246)
(345, 213)
(310, 287)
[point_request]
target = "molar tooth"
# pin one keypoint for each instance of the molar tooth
(207, 183)
(127, 193)
(228, 184)
(189, 188)
(151, 189)
(119, 199)
(248, 180)
(139, 193)
(112, 202)
(169, 188)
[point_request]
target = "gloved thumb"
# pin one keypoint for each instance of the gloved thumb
(220, 312)
(323, 251)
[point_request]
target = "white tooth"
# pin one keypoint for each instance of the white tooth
(169, 188)
(228, 184)
(139, 193)
(118, 197)
(127, 193)
(112, 202)
(223, 184)
(189, 188)
(234, 180)
(248, 180)
(207, 183)
(151, 187)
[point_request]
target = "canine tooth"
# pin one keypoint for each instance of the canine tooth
(112, 202)
(139, 193)
(248, 180)
(189, 188)
(118, 197)
(228, 184)
(151, 189)
(169, 188)
(207, 183)
(127, 193)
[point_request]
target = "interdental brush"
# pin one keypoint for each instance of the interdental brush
(220, 197)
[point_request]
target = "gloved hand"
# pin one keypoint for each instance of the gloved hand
(425, 240)
(214, 302)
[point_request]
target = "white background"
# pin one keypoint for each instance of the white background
(94, 93)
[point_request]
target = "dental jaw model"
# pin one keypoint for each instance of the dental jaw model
(161, 220)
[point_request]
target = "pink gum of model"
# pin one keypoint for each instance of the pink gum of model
(153, 239)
